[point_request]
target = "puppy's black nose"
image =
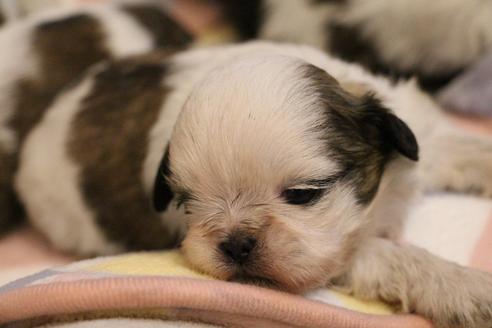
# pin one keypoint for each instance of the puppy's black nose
(238, 247)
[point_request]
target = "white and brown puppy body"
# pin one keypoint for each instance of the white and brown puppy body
(281, 166)
(433, 40)
(42, 55)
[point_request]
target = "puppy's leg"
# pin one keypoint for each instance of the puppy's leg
(455, 160)
(418, 282)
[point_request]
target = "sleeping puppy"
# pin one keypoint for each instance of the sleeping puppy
(434, 40)
(287, 167)
(42, 55)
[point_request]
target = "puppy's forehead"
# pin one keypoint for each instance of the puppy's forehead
(254, 116)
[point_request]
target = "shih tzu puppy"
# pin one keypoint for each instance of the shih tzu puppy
(42, 55)
(433, 40)
(281, 164)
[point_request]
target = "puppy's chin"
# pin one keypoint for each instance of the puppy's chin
(289, 281)
(256, 281)
(281, 263)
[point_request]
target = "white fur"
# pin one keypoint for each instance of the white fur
(418, 282)
(432, 37)
(189, 68)
(405, 98)
(180, 85)
(124, 35)
(240, 122)
(412, 105)
(296, 21)
(242, 135)
(56, 206)
(248, 100)
(10, 9)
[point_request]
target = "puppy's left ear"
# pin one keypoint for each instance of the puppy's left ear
(355, 109)
(163, 194)
(395, 134)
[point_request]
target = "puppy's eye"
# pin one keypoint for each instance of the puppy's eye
(301, 196)
(182, 199)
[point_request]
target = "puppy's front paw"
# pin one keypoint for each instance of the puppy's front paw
(465, 303)
(460, 163)
(449, 295)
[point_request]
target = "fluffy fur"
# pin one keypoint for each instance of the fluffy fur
(56, 49)
(286, 166)
(250, 123)
(241, 140)
(432, 40)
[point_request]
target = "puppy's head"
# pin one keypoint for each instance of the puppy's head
(276, 165)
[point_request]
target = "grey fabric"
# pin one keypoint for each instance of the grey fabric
(129, 323)
(22, 282)
(471, 92)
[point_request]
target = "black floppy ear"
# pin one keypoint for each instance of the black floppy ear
(395, 134)
(401, 137)
(163, 194)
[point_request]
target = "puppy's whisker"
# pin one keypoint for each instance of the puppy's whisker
(257, 205)
(236, 198)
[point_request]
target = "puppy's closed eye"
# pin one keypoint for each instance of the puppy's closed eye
(302, 196)
(182, 198)
(310, 192)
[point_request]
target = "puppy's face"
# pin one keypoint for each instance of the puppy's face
(275, 165)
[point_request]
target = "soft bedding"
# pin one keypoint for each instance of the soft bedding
(471, 92)
(159, 285)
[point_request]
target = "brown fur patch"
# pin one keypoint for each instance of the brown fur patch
(65, 49)
(246, 17)
(164, 30)
(349, 43)
(114, 122)
(11, 211)
(322, 2)
(362, 135)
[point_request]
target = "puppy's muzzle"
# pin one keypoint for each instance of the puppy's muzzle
(238, 247)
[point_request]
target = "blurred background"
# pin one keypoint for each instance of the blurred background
(16, 9)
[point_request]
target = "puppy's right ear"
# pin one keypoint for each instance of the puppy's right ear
(163, 194)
